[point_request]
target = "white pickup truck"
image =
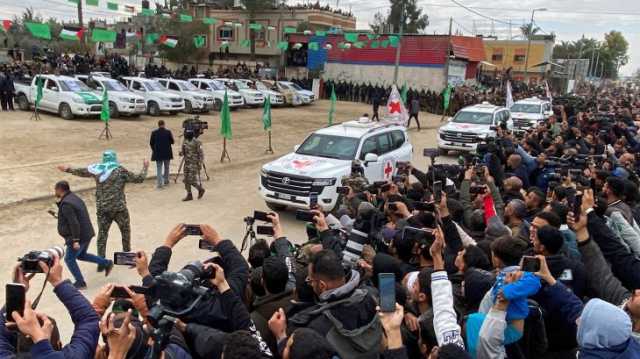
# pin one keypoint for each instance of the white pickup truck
(317, 166)
(121, 100)
(66, 96)
(470, 126)
(195, 100)
(157, 98)
(275, 97)
(217, 89)
(251, 97)
(529, 113)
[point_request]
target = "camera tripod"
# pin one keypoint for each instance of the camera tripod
(249, 234)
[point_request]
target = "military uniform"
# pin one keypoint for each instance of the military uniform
(193, 157)
(111, 204)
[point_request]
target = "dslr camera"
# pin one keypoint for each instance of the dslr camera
(29, 262)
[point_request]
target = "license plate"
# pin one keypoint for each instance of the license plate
(283, 196)
(140, 108)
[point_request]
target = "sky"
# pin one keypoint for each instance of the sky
(568, 19)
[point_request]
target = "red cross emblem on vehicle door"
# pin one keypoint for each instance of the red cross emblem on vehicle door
(388, 170)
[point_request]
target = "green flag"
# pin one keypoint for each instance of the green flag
(105, 115)
(255, 26)
(198, 41)
(152, 37)
(394, 41)
(321, 33)
(209, 21)
(403, 93)
(102, 35)
(225, 118)
(245, 43)
(92, 2)
(112, 6)
(373, 36)
(186, 18)
(283, 45)
(358, 44)
(41, 31)
(332, 107)
(446, 96)
(266, 114)
(384, 44)
(314, 46)
(289, 30)
(351, 37)
(146, 12)
(375, 44)
(39, 84)
(74, 1)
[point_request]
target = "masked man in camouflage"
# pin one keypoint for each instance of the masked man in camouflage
(111, 202)
(193, 158)
(357, 183)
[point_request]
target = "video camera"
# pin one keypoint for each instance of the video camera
(194, 125)
(29, 262)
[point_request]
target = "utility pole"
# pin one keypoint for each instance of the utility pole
(526, 59)
(397, 65)
(446, 59)
(80, 22)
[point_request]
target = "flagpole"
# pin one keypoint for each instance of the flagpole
(225, 154)
(270, 149)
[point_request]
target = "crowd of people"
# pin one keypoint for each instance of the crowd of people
(528, 249)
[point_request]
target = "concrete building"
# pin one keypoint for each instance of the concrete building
(266, 40)
(505, 54)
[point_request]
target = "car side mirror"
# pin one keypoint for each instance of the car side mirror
(295, 148)
(449, 119)
(370, 157)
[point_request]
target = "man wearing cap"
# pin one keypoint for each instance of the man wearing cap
(111, 202)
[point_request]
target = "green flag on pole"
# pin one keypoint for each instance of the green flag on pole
(41, 31)
(245, 43)
(394, 40)
(403, 93)
(151, 38)
(266, 114)
(289, 30)
(283, 45)
(39, 84)
(112, 6)
(186, 18)
(92, 2)
(446, 96)
(146, 12)
(332, 107)
(105, 115)
(255, 26)
(225, 118)
(351, 37)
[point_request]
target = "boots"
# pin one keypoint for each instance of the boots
(189, 197)
(200, 192)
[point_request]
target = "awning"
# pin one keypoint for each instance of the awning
(487, 64)
(545, 63)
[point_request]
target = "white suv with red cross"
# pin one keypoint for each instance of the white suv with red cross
(317, 166)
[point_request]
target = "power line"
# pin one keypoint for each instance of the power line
(479, 13)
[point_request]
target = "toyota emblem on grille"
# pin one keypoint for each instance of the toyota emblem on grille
(459, 134)
(285, 180)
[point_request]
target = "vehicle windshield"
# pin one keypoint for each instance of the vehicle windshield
(241, 85)
(187, 86)
(526, 108)
(113, 85)
(73, 86)
(337, 147)
(284, 86)
(215, 85)
(475, 118)
(262, 87)
(154, 86)
(295, 86)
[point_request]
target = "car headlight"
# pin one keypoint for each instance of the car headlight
(324, 182)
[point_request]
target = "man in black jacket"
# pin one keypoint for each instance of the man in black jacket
(74, 225)
(160, 143)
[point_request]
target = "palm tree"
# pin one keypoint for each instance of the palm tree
(529, 30)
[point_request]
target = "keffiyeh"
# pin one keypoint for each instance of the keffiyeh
(103, 170)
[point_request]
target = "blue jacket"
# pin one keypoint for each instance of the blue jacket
(85, 333)
(605, 333)
(516, 292)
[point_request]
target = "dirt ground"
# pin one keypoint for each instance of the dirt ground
(29, 152)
